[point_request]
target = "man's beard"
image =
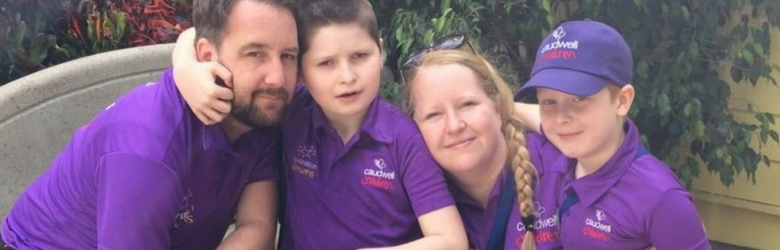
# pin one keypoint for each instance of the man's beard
(251, 115)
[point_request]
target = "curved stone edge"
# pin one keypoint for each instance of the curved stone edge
(31, 90)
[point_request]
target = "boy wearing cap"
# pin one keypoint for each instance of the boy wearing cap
(614, 194)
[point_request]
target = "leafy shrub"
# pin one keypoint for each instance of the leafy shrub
(35, 34)
(678, 48)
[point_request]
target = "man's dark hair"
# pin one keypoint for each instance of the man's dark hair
(209, 16)
(311, 15)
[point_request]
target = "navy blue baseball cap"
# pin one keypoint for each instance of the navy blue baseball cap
(580, 58)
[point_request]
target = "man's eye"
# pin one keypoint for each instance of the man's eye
(290, 57)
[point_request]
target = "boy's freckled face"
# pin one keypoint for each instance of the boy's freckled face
(341, 69)
(580, 127)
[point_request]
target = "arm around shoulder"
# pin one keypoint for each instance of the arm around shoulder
(196, 81)
(529, 115)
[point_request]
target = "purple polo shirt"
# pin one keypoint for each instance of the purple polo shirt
(144, 174)
(479, 221)
(630, 203)
(365, 193)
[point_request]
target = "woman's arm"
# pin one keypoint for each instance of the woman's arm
(441, 228)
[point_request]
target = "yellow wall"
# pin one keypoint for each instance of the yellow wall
(746, 214)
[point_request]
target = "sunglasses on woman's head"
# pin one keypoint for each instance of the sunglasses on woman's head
(450, 42)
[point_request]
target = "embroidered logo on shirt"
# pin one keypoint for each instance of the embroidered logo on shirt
(302, 161)
(307, 152)
(541, 221)
(539, 210)
(597, 229)
(378, 178)
(541, 224)
(380, 163)
(600, 215)
(186, 211)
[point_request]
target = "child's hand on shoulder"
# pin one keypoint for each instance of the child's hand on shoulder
(197, 81)
(198, 84)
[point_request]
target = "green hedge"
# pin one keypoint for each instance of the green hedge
(678, 47)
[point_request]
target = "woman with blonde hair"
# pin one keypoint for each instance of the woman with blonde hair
(464, 110)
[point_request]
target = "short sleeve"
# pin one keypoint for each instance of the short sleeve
(137, 202)
(674, 223)
(422, 178)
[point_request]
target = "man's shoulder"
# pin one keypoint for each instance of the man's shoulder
(151, 104)
(160, 96)
(145, 120)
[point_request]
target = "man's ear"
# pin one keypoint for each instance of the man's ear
(625, 99)
(205, 50)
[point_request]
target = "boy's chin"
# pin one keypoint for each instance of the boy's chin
(567, 151)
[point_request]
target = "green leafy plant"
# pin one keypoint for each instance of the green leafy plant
(678, 48)
(37, 34)
(97, 26)
(24, 45)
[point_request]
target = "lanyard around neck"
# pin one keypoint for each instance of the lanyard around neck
(498, 232)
